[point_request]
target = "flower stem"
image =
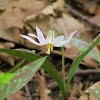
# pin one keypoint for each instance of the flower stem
(63, 68)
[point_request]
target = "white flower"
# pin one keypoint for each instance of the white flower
(50, 41)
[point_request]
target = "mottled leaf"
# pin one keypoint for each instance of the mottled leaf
(47, 66)
(80, 57)
(6, 77)
(82, 44)
(23, 75)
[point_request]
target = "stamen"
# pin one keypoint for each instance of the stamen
(51, 47)
(48, 47)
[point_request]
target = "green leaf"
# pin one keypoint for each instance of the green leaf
(6, 77)
(47, 66)
(22, 77)
(95, 93)
(82, 44)
(80, 57)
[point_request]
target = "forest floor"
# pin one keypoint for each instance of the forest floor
(22, 16)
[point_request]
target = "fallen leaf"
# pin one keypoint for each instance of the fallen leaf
(6, 57)
(19, 95)
(83, 98)
(43, 90)
(19, 7)
(96, 19)
(85, 5)
(72, 24)
(72, 98)
(98, 48)
(71, 52)
(90, 6)
(13, 20)
(57, 6)
(4, 33)
(90, 62)
(97, 11)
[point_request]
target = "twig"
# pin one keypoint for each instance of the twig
(28, 92)
(79, 72)
(85, 18)
(89, 71)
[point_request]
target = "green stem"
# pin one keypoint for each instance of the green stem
(63, 68)
(16, 67)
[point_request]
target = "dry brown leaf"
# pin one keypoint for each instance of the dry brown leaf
(43, 90)
(18, 10)
(59, 5)
(73, 24)
(90, 6)
(71, 52)
(60, 25)
(10, 34)
(97, 11)
(8, 45)
(96, 19)
(72, 98)
(49, 10)
(15, 18)
(45, 23)
(87, 6)
(90, 62)
(18, 96)
(6, 57)
(83, 98)
(4, 33)
(98, 48)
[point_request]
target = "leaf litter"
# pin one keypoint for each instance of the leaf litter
(22, 16)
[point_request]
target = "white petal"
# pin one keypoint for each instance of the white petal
(57, 41)
(50, 36)
(33, 35)
(30, 39)
(68, 40)
(47, 41)
(40, 35)
(43, 42)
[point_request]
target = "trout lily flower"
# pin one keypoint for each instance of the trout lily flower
(50, 41)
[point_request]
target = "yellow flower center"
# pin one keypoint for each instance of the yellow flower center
(50, 48)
